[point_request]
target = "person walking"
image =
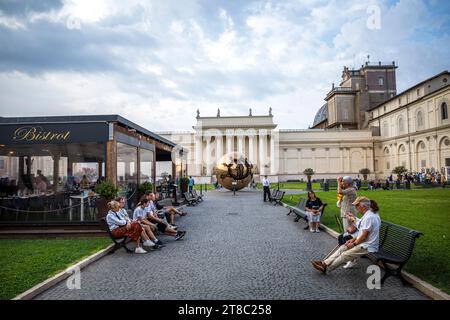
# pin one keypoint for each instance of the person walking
(191, 183)
(266, 188)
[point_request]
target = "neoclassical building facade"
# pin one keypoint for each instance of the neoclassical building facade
(410, 129)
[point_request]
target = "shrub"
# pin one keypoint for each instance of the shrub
(106, 190)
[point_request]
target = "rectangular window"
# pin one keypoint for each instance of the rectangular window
(388, 165)
(423, 163)
(447, 162)
(127, 172)
(418, 92)
(381, 81)
(146, 166)
(2, 164)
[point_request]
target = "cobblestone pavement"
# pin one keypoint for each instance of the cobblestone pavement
(236, 247)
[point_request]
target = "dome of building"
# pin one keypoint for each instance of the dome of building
(321, 115)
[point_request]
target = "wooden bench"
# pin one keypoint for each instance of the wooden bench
(190, 199)
(300, 211)
(276, 199)
(396, 247)
(120, 242)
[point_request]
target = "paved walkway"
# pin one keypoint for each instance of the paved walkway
(236, 247)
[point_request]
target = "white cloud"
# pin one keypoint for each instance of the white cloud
(156, 62)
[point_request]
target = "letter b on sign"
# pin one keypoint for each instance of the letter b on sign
(374, 280)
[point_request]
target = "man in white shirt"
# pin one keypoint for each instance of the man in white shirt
(266, 188)
(366, 241)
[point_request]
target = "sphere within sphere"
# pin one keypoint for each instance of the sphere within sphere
(234, 167)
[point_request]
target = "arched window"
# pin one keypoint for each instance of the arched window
(419, 119)
(401, 126)
(444, 111)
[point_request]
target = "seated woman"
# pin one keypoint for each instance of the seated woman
(314, 207)
(120, 226)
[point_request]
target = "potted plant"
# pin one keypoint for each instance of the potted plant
(184, 184)
(399, 171)
(308, 173)
(107, 191)
(364, 172)
(144, 187)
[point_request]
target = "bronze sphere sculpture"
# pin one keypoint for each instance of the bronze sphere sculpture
(234, 167)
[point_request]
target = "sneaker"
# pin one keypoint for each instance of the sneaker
(350, 264)
(311, 230)
(174, 226)
(139, 250)
(317, 231)
(149, 243)
(180, 235)
(159, 243)
(157, 246)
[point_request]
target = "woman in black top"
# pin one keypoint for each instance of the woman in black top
(314, 207)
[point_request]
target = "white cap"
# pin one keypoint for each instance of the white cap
(347, 179)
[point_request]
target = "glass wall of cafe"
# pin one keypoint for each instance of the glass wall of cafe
(52, 177)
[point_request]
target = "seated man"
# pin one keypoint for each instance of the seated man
(367, 239)
(168, 211)
(160, 225)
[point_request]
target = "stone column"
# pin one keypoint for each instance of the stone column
(230, 137)
(262, 150)
(198, 155)
(219, 147)
(240, 144)
(251, 148)
(208, 155)
(436, 153)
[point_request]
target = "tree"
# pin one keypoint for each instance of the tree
(364, 172)
(399, 171)
(308, 173)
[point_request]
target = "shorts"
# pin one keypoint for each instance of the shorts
(314, 218)
(161, 227)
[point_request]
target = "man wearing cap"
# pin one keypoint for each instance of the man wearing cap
(366, 241)
(345, 188)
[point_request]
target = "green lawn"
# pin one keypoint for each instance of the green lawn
(427, 211)
(208, 187)
(25, 263)
(291, 185)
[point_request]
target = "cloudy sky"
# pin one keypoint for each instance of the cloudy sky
(156, 62)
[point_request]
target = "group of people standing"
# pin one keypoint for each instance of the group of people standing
(148, 218)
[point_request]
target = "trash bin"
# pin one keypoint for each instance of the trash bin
(326, 186)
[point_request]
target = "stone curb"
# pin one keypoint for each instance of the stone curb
(424, 287)
(47, 284)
